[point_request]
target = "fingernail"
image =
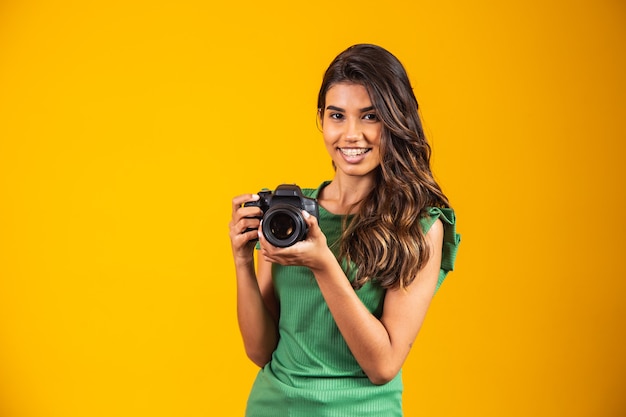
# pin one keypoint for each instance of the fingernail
(306, 214)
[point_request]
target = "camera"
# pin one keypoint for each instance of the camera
(283, 224)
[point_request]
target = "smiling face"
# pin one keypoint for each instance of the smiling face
(352, 130)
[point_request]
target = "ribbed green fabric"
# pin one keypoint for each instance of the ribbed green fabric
(312, 372)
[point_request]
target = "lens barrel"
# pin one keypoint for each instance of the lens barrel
(283, 225)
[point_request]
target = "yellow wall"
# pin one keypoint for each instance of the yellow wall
(127, 126)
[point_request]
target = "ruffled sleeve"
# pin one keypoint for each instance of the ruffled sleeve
(451, 238)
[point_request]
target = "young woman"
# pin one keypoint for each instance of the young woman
(331, 319)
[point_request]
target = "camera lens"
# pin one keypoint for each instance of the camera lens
(283, 225)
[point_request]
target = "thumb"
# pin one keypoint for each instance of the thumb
(310, 220)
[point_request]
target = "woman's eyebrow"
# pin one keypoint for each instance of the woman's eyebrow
(339, 109)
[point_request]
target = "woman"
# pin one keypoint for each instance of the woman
(332, 318)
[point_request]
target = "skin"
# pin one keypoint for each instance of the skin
(380, 346)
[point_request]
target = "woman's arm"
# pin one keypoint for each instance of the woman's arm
(380, 346)
(257, 308)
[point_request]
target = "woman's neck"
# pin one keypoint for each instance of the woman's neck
(343, 195)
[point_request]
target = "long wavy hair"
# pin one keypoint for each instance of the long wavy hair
(384, 239)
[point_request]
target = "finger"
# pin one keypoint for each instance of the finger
(246, 227)
(311, 221)
(252, 212)
(238, 201)
(270, 257)
(266, 246)
(264, 243)
(250, 235)
(242, 240)
(243, 227)
(247, 224)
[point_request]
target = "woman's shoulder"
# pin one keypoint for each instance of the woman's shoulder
(451, 239)
(314, 192)
(431, 214)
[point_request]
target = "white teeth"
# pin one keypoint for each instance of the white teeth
(353, 152)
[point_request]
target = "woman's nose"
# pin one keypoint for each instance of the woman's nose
(353, 130)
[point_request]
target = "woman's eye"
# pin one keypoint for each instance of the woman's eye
(336, 116)
(370, 116)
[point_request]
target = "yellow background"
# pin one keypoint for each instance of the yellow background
(127, 126)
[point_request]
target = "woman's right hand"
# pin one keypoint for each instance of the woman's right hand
(257, 307)
(244, 218)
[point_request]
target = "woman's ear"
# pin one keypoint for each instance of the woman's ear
(319, 121)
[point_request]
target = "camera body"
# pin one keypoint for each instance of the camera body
(283, 224)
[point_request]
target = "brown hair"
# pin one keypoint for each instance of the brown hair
(385, 239)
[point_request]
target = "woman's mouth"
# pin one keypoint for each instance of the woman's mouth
(353, 155)
(352, 152)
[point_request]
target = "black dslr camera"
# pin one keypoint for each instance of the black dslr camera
(283, 223)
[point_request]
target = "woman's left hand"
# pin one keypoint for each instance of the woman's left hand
(309, 252)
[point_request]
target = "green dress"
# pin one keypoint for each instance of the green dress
(312, 371)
